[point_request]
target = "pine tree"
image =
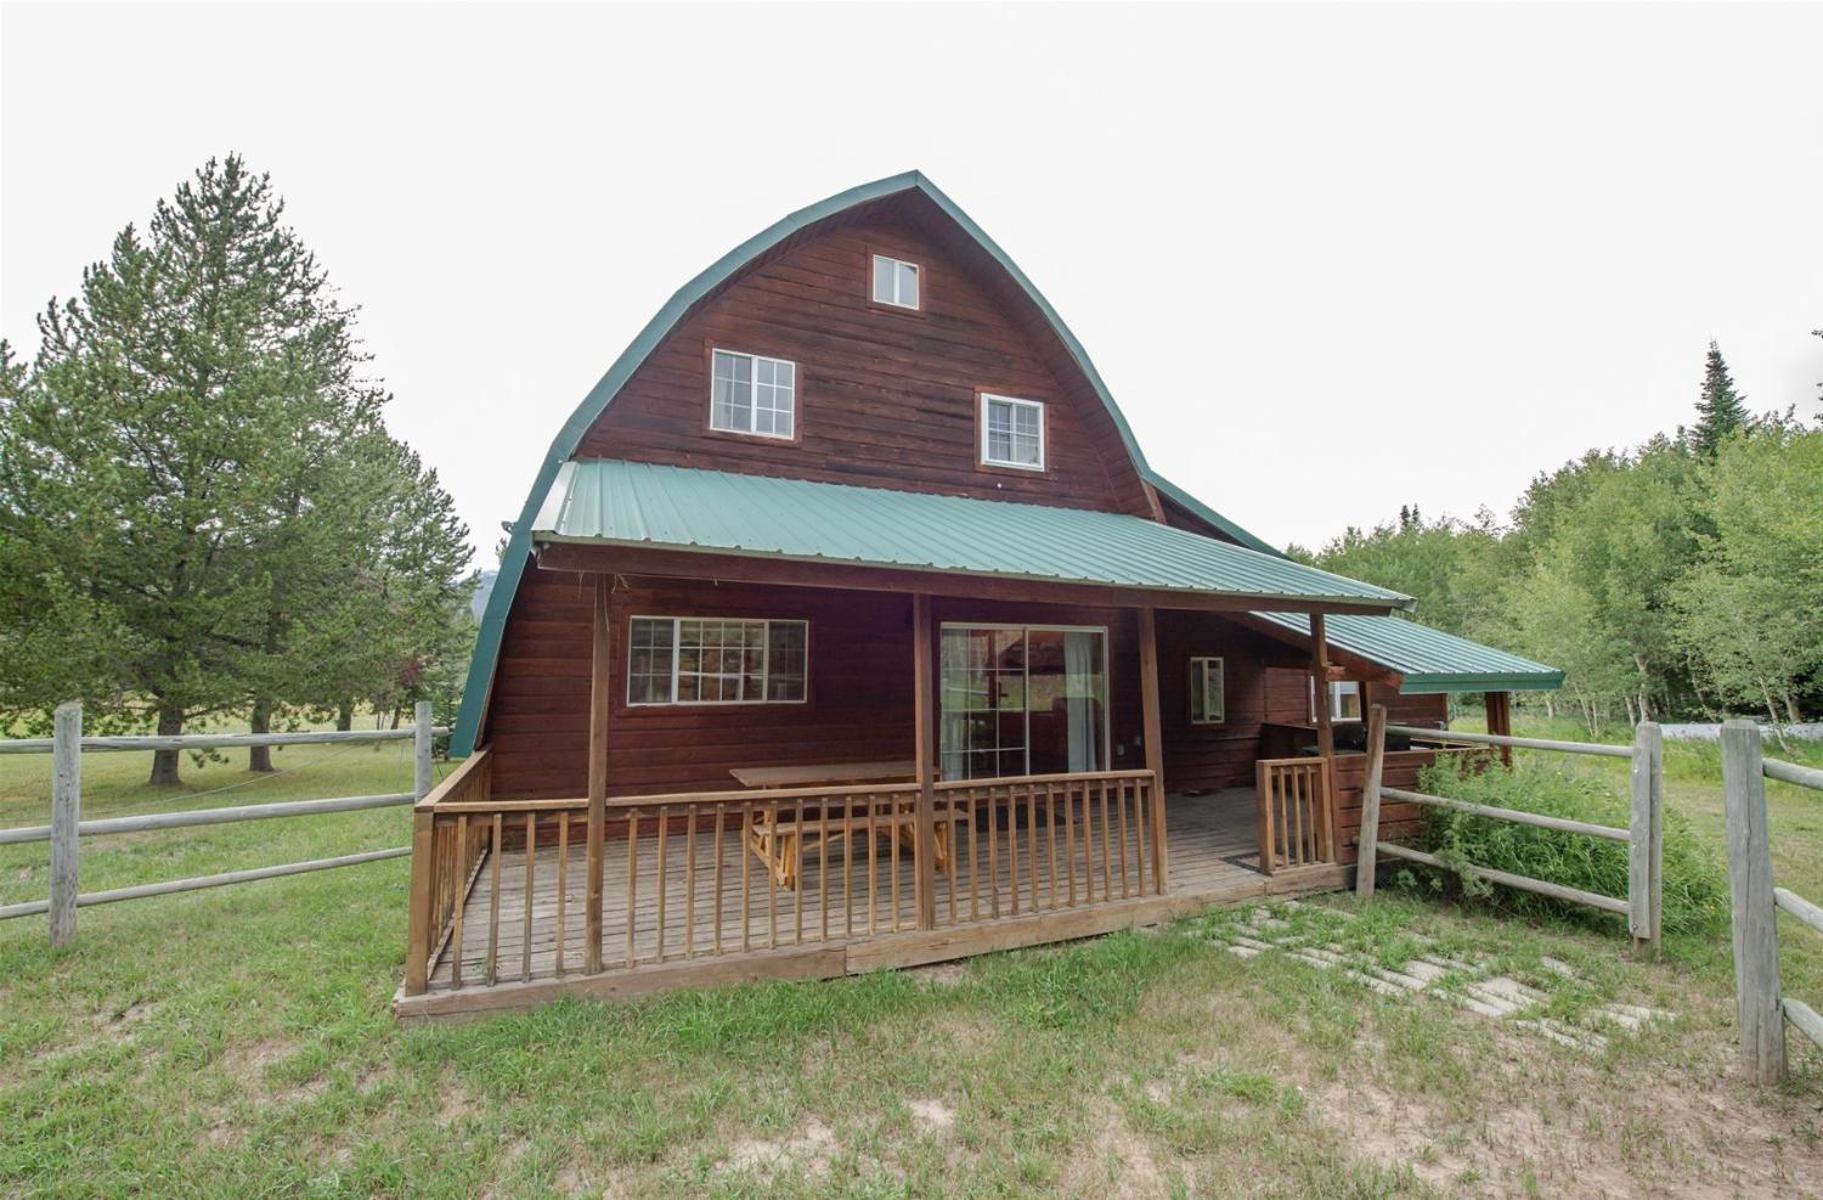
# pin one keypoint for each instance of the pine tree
(1721, 410)
(195, 477)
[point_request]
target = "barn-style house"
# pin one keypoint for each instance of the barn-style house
(846, 627)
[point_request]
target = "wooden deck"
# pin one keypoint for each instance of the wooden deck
(814, 931)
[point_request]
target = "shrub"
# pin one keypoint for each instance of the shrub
(1695, 888)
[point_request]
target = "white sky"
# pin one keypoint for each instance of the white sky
(1330, 260)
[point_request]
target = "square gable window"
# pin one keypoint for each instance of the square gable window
(1012, 433)
(753, 395)
(895, 282)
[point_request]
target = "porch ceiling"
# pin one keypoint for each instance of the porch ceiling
(605, 502)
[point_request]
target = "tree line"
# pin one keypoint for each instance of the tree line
(1681, 578)
(201, 509)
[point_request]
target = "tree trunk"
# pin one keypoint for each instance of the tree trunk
(1792, 715)
(164, 762)
(259, 758)
(1631, 719)
(344, 716)
(1550, 709)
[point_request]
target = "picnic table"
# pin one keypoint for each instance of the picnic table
(781, 838)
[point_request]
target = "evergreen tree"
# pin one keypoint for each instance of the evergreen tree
(194, 474)
(1721, 410)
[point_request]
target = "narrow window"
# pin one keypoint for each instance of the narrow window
(1012, 433)
(1207, 704)
(750, 394)
(709, 660)
(895, 282)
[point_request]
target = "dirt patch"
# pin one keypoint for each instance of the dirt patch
(809, 1150)
(946, 975)
(932, 1116)
(1116, 1160)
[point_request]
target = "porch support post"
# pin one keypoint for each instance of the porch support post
(1500, 719)
(924, 725)
(599, 694)
(1153, 734)
(1326, 733)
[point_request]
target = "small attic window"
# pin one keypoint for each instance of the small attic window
(895, 282)
(1012, 432)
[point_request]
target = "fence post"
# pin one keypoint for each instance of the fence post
(1756, 930)
(66, 814)
(1368, 852)
(1645, 842)
(422, 779)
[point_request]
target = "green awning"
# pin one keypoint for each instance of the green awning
(610, 502)
(1429, 660)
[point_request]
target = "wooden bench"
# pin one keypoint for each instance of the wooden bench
(783, 838)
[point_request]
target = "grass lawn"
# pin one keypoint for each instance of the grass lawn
(238, 1042)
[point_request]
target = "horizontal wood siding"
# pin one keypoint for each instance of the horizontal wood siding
(859, 705)
(885, 397)
(1206, 757)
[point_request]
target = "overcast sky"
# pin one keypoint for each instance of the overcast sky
(1329, 260)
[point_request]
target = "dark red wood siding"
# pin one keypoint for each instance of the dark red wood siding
(885, 397)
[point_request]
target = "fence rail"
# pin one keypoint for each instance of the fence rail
(1760, 1010)
(67, 827)
(1644, 835)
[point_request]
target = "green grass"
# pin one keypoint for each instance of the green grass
(238, 1042)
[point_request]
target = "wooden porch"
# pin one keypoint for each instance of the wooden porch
(1041, 860)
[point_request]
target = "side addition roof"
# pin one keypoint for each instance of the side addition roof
(1429, 660)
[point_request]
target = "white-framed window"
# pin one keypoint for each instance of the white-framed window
(752, 394)
(1208, 705)
(895, 282)
(1344, 700)
(715, 660)
(1012, 432)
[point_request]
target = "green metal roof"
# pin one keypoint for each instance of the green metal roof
(610, 502)
(1430, 660)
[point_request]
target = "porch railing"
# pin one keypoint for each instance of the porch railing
(1296, 818)
(499, 887)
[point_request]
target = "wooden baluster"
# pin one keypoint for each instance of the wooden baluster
(632, 882)
(873, 861)
(993, 851)
(1121, 800)
(974, 855)
(719, 810)
(1069, 840)
(1142, 796)
(661, 884)
(953, 832)
(892, 857)
(746, 854)
(1107, 853)
(531, 859)
(772, 881)
(823, 863)
(1012, 845)
(848, 865)
(490, 973)
(1031, 841)
(690, 812)
(1088, 845)
(460, 893)
(563, 882)
(1050, 838)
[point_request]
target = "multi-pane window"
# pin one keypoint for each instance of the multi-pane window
(895, 282)
(1022, 700)
(751, 394)
(709, 660)
(1012, 432)
(1207, 706)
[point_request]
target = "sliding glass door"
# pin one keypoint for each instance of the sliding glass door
(1023, 700)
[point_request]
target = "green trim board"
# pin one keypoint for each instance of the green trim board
(617, 503)
(1185, 500)
(1428, 660)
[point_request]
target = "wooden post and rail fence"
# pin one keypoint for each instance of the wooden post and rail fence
(1761, 1011)
(1643, 906)
(67, 746)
